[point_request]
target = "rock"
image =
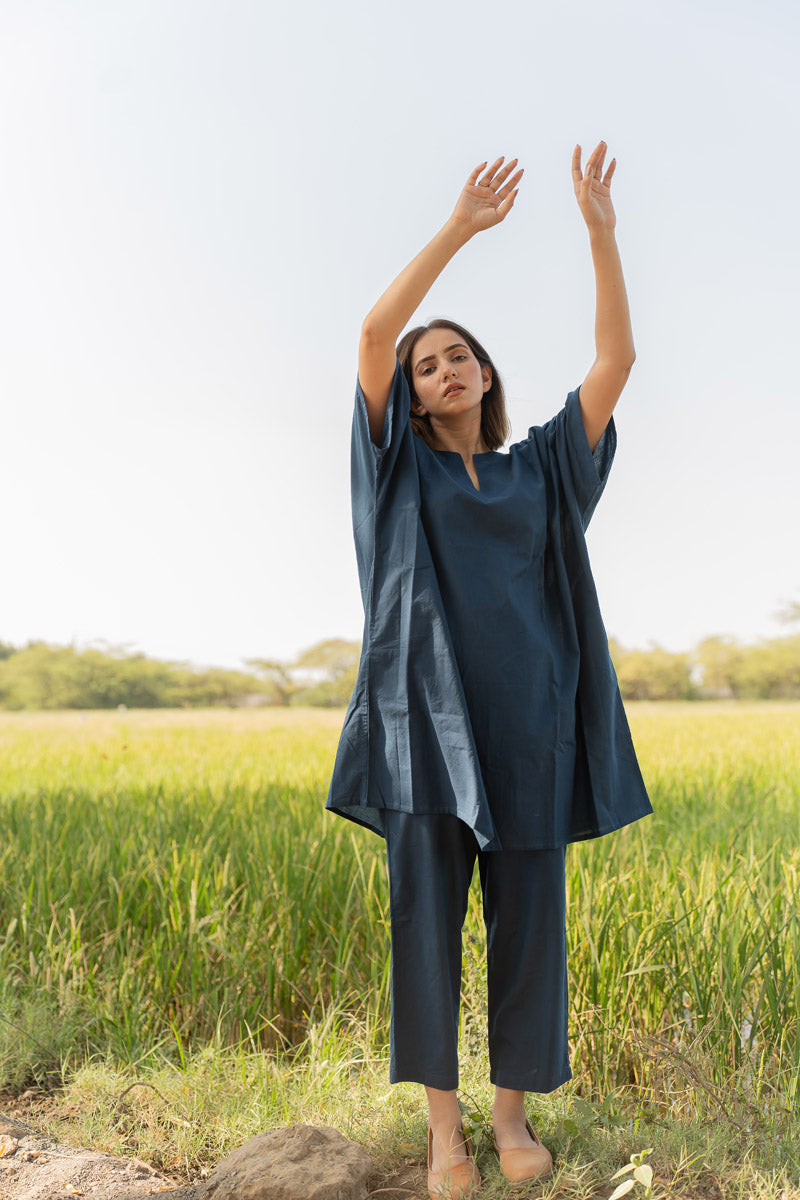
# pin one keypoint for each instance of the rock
(11, 1128)
(8, 1145)
(189, 1192)
(302, 1162)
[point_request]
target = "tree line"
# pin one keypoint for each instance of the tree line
(43, 676)
(717, 668)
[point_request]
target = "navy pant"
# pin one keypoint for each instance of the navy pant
(431, 858)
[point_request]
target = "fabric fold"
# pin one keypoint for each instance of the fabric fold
(485, 687)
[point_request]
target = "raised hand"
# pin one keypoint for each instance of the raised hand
(593, 189)
(488, 195)
(487, 198)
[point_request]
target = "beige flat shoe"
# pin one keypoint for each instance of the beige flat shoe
(525, 1162)
(461, 1179)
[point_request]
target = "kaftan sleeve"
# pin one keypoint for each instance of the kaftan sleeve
(372, 467)
(581, 472)
(369, 459)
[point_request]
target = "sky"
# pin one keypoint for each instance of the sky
(201, 201)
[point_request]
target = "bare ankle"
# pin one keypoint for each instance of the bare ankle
(509, 1105)
(443, 1108)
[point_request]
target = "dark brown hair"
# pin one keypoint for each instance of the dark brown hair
(495, 426)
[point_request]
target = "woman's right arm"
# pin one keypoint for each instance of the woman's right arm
(486, 199)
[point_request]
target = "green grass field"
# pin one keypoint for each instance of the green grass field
(174, 902)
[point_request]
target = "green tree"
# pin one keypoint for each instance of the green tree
(654, 674)
(191, 687)
(719, 660)
(275, 678)
(337, 661)
(770, 670)
(335, 655)
(40, 676)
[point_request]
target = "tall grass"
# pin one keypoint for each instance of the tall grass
(170, 881)
(685, 928)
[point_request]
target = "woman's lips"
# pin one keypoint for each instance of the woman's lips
(456, 387)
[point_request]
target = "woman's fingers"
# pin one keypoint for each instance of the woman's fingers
(503, 192)
(488, 175)
(497, 177)
(503, 175)
(505, 208)
(473, 179)
(492, 177)
(597, 156)
(583, 177)
(592, 187)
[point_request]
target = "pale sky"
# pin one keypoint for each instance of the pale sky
(200, 202)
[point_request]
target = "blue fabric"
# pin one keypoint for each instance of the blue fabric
(431, 858)
(485, 688)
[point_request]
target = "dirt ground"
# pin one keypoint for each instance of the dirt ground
(34, 1167)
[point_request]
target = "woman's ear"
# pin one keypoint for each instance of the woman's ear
(417, 407)
(486, 372)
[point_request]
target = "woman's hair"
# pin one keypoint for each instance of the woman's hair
(495, 426)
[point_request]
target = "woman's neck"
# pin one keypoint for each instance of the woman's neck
(462, 437)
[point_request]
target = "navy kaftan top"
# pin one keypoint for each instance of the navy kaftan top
(485, 687)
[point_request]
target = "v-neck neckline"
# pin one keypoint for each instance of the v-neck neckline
(478, 454)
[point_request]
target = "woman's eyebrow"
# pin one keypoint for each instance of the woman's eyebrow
(447, 350)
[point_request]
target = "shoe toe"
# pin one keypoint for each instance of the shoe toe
(522, 1164)
(525, 1162)
(460, 1180)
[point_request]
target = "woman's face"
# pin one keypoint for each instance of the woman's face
(448, 379)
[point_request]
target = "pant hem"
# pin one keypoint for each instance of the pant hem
(530, 1084)
(434, 1081)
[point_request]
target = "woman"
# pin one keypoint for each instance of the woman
(486, 721)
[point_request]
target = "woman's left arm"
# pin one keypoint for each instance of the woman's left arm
(614, 351)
